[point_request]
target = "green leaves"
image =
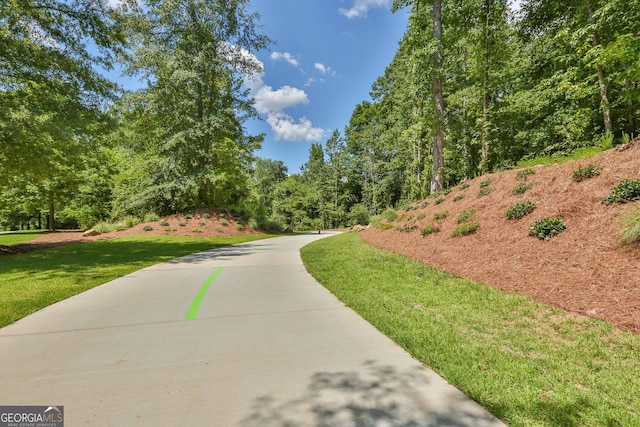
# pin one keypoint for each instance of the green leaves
(188, 123)
(547, 228)
(626, 191)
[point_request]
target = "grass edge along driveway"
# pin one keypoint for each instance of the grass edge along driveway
(529, 364)
(34, 280)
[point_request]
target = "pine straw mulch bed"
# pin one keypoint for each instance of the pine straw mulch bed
(582, 270)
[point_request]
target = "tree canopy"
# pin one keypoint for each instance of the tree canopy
(474, 87)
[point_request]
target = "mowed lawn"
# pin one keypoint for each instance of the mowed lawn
(15, 237)
(31, 281)
(530, 364)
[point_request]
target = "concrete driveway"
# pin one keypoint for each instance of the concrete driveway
(238, 336)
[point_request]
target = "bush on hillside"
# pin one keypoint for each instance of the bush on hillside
(465, 229)
(586, 172)
(521, 209)
(627, 190)
(547, 228)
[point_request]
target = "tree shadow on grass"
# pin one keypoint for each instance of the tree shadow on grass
(377, 395)
(99, 255)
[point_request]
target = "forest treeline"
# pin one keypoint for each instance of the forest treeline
(474, 87)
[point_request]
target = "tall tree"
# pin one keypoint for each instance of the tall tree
(437, 179)
(52, 97)
(190, 118)
(267, 174)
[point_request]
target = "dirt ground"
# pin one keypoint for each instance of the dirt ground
(583, 270)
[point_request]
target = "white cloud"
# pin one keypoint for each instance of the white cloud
(114, 3)
(276, 56)
(285, 128)
(323, 68)
(309, 82)
(272, 103)
(361, 8)
(268, 100)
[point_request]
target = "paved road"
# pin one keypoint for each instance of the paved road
(268, 346)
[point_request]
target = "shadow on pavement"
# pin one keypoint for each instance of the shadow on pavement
(381, 396)
(224, 253)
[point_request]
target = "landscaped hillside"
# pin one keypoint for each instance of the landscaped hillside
(583, 269)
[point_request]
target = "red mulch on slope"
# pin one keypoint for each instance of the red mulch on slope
(582, 270)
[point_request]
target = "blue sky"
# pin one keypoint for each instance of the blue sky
(326, 55)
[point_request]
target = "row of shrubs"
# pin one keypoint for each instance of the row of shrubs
(626, 191)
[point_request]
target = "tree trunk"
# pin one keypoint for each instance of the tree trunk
(437, 179)
(52, 222)
(631, 110)
(484, 162)
(604, 100)
(417, 118)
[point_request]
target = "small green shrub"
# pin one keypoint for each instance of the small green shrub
(239, 227)
(164, 224)
(421, 217)
(196, 230)
(465, 229)
(521, 188)
(224, 222)
(383, 226)
(130, 221)
(120, 226)
(463, 186)
(188, 216)
(439, 200)
(521, 209)
(547, 228)
(606, 140)
(202, 223)
(404, 218)
(626, 191)
(440, 215)
(182, 224)
(206, 215)
(151, 217)
(458, 197)
(429, 229)
(390, 215)
(103, 227)
(406, 228)
(485, 191)
(147, 228)
(169, 229)
(629, 226)
(446, 191)
(465, 216)
(424, 205)
(485, 183)
(586, 172)
(524, 174)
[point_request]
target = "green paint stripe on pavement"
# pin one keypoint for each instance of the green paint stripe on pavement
(192, 313)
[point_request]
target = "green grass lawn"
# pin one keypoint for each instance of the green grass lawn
(8, 239)
(31, 281)
(530, 364)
